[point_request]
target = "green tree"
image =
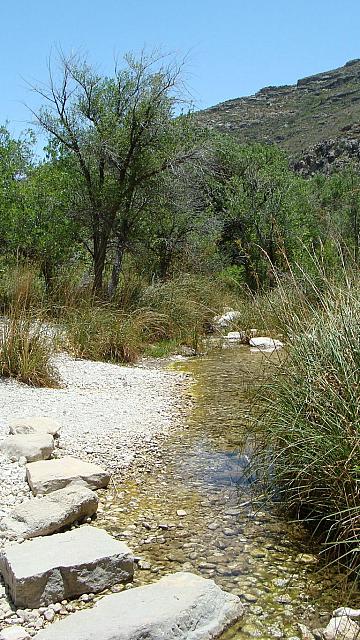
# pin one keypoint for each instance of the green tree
(266, 211)
(122, 133)
(16, 161)
(43, 227)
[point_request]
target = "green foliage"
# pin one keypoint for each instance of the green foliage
(121, 134)
(101, 333)
(162, 348)
(268, 213)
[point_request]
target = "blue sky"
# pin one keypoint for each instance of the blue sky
(233, 47)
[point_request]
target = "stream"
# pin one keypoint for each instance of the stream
(189, 506)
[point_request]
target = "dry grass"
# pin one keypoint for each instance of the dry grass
(25, 350)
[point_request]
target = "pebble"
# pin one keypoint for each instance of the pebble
(49, 615)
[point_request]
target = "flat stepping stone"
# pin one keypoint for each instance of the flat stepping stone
(181, 606)
(35, 425)
(32, 447)
(14, 633)
(43, 516)
(45, 570)
(46, 476)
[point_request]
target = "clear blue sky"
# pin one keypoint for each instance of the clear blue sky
(234, 47)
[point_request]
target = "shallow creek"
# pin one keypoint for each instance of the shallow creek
(188, 506)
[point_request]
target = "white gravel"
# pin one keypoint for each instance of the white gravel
(108, 413)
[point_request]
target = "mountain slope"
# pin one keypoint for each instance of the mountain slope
(296, 117)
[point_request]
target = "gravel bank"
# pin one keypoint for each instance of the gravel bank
(108, 414)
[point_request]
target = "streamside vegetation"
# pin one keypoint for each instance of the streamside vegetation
(137, 226)
(307, 419)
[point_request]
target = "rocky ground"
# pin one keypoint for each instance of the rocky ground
(108, 415)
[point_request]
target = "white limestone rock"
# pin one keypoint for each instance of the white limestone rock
(55, 568)
(36, 424)
(235, 336)
(43, 516)
(226, 318)
(264, 343)
(14, 632)
(181, 606)
(342, 628)
(47, 476)
(347, 611)
(32, 447)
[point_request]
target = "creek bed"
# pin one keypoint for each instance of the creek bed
(189, 506)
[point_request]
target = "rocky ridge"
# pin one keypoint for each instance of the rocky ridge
(320, 107)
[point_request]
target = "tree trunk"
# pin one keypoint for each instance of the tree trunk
(47, 272)
(116, 269)
(99, 264)
(165, 257)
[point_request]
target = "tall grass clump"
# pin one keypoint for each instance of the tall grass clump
(188, 305)
(100, 332)
(166, 315)
(308, 421)
(26, 349)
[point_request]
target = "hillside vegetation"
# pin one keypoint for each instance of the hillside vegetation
(295, 117)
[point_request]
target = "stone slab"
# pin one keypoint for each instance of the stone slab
(50, 569)
(181, 606)
(46, 476)
(14, 633)
(32, 446)
(43, 516)
(35, 424)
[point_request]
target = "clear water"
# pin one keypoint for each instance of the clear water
(189, 506)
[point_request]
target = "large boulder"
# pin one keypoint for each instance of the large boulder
(46, 476)
(43, 516)
(32, 447)
(181, 606)
(35, 425)
(45, 570)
